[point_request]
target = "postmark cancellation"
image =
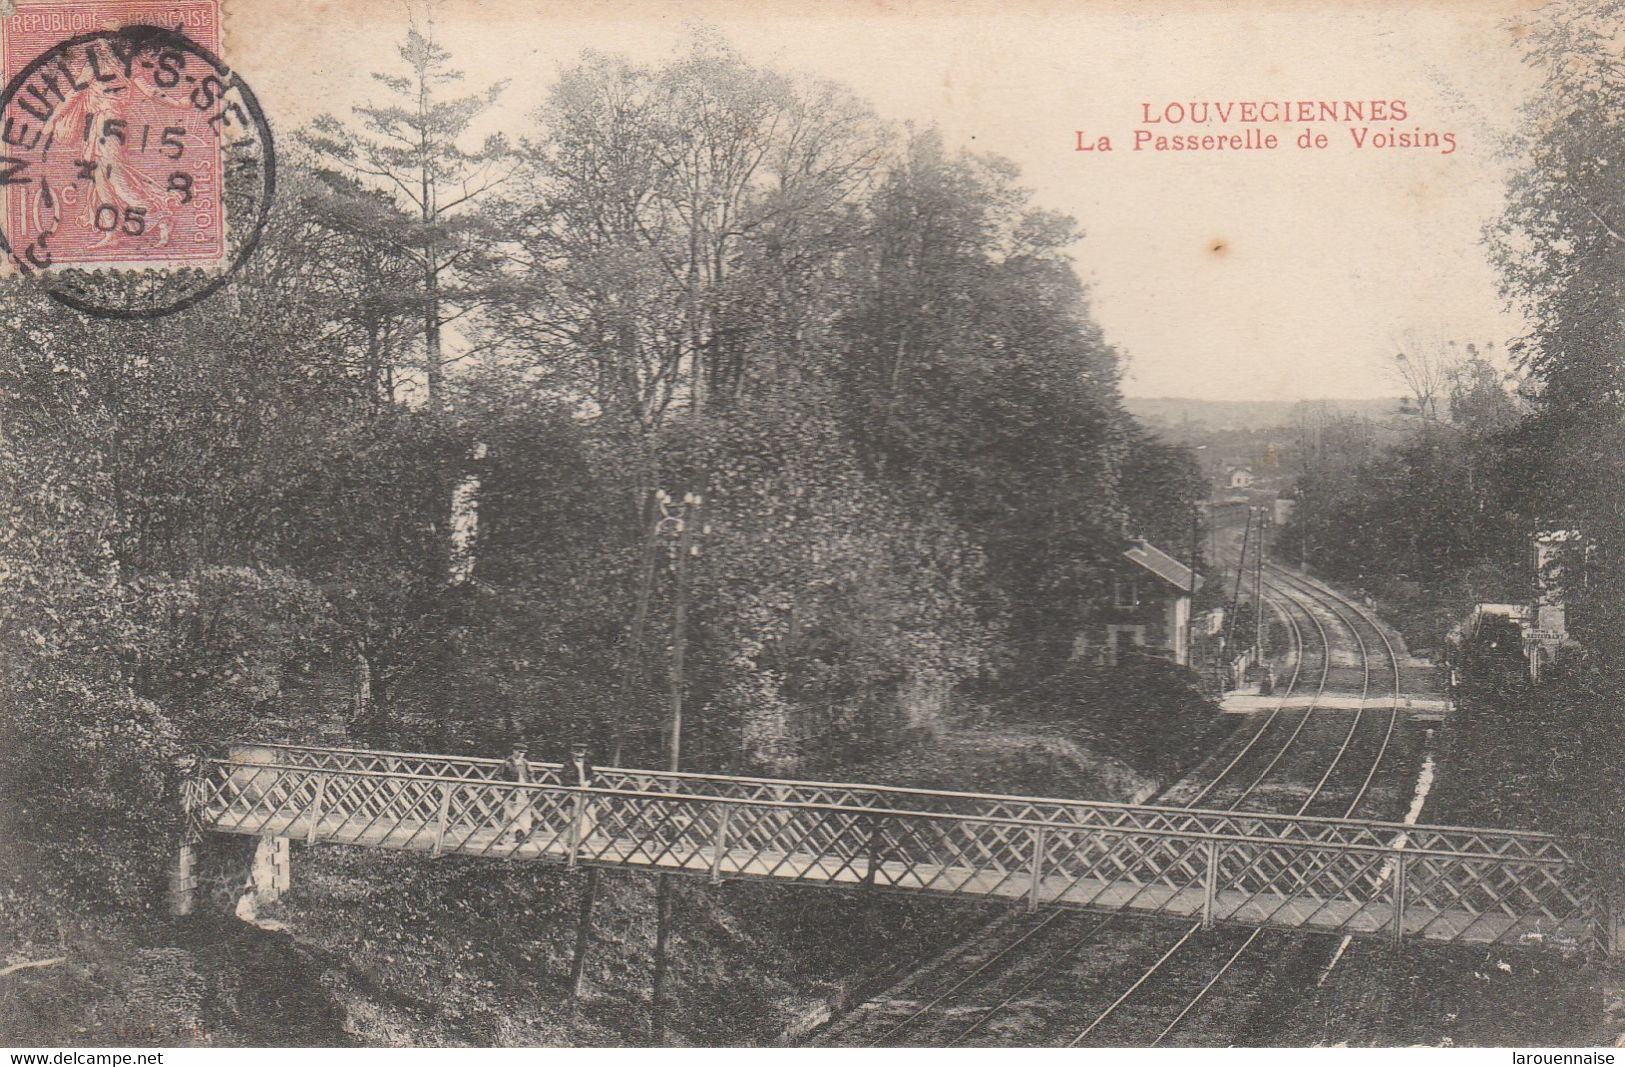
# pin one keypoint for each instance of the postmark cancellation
(136, 168)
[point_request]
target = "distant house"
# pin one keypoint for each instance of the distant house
(1147, 611)
(1539, 629)
(1239, 478)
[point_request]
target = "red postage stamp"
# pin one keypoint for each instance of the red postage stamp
(126, 144)
(128, 170)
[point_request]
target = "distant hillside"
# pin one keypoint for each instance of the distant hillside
(1173, 412)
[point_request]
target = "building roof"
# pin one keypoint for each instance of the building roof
(1162, 565)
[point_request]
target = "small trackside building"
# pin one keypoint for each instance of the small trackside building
(1147, 610)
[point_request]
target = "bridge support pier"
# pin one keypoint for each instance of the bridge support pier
(657, 1008)
(1036, 889)
(272, 872)
(1401, 874)
(183, 880)
(183, 866)
(578, 961)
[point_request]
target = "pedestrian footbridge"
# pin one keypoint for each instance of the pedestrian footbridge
(1352, 876)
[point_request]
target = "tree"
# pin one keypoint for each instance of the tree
(970, 368)
(412, 150)
(1425, 366)
(1162, 483)
(1481, 404)
(1560, 247)
(689, 213)
(363, 283)
(82, 754)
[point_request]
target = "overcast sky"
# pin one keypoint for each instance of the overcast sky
(1271, 275)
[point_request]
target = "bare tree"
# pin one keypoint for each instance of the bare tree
(1425, 367)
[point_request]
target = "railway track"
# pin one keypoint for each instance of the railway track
(1346, 783)
(1252, 767)
(1008, 980)
(1168, 994)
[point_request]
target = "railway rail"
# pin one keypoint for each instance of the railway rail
(1037, 952)
(1176, 984)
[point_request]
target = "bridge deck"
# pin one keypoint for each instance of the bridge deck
(1363, 906)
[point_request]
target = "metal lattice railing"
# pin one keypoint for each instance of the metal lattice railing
(1353, 876)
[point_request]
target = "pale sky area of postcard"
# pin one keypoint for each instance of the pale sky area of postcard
(1328, 256)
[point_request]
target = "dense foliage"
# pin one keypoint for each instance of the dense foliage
(1427, 510)
(1452, 504)
(395, 482)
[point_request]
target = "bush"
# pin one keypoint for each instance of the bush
(1145, 711)
(81, 755)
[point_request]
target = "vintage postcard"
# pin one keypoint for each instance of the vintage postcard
(847, 525)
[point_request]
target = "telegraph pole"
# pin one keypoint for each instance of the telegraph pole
(1241, 578)
(649, 516)
(1258, 594)
(1190, 621)
(679, 621)
(686, 547)
(631, 661)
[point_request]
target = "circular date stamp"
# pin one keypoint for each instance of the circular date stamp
(136, 171)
